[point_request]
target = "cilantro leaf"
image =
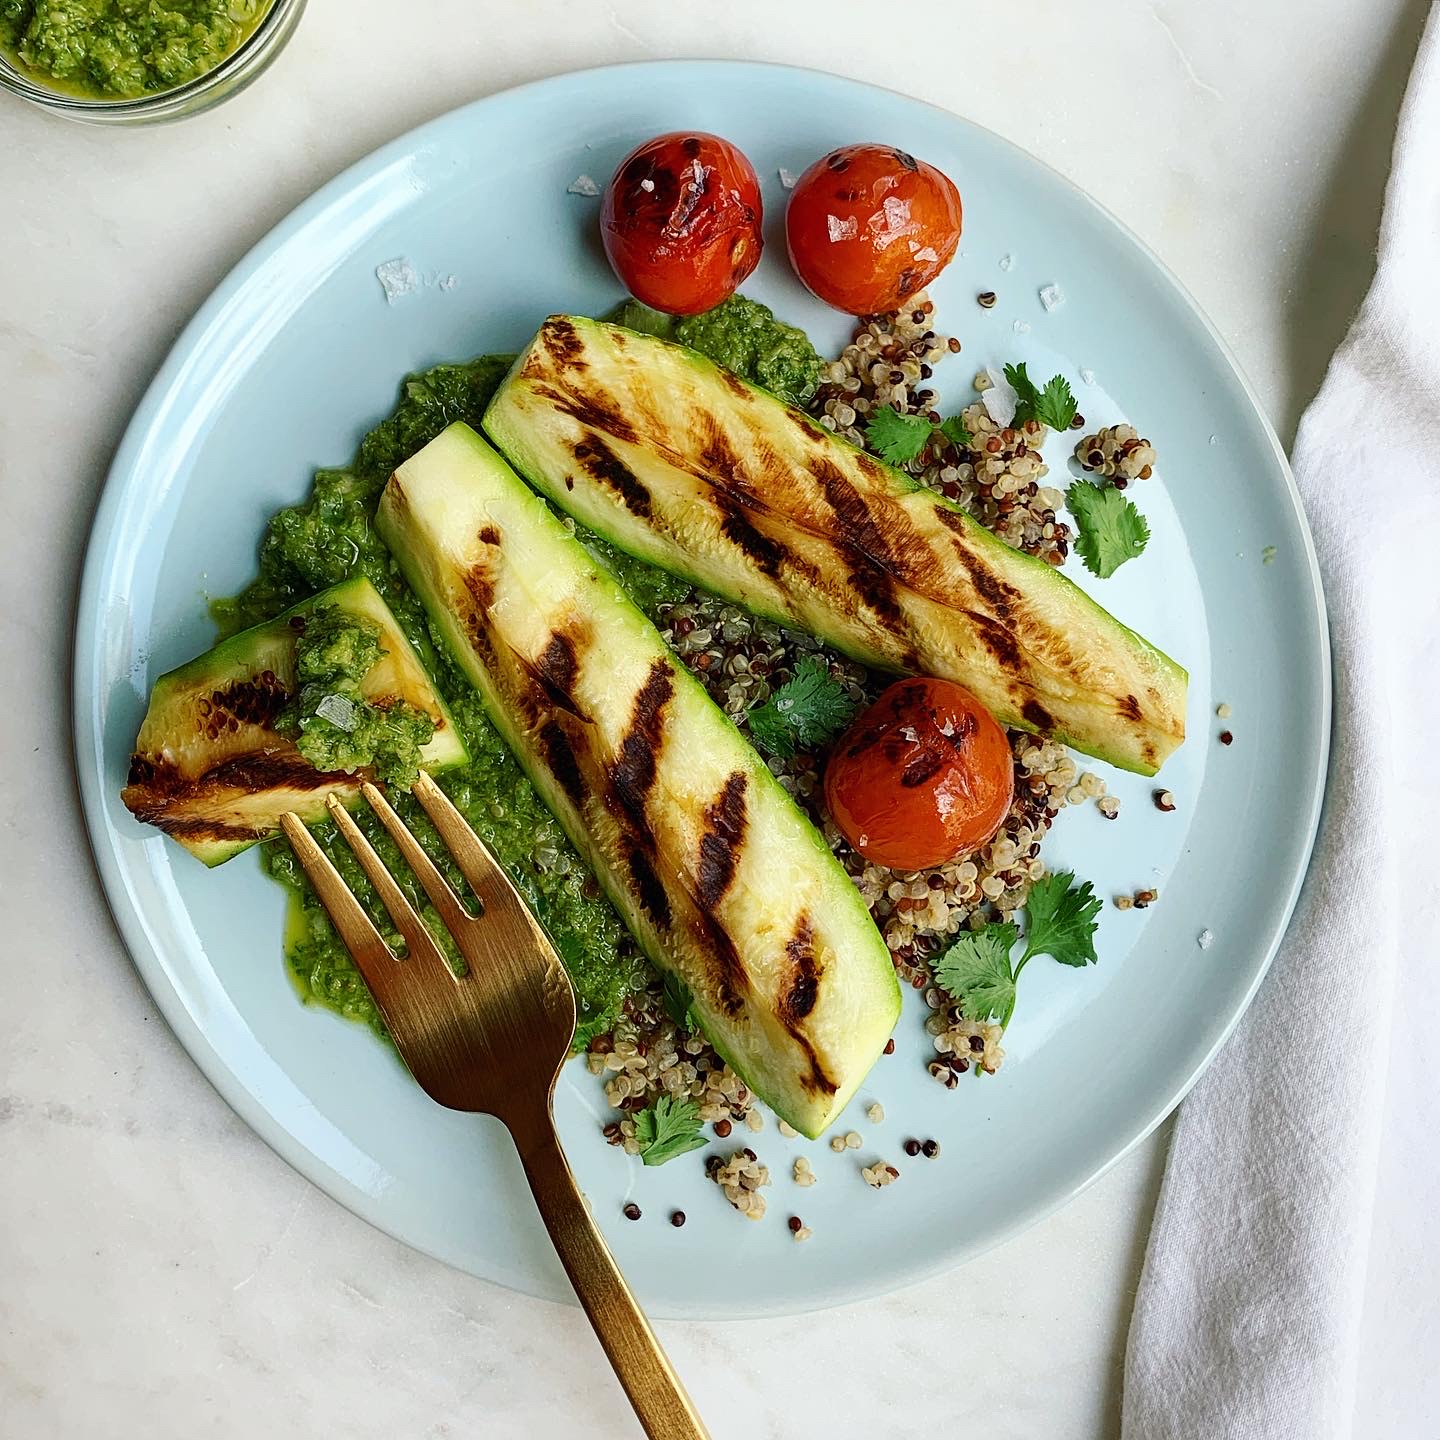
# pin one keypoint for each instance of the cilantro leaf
(1053, 406)
(1110, 529)
(587, 1029)
(975, 971)
(678, 999)
(896, 438)
(954, 430)
(1060, 919)
(668, 1128)
(807, 711)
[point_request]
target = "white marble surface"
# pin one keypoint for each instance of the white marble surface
(161, 1272)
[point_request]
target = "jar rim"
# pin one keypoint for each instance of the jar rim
(176, 98)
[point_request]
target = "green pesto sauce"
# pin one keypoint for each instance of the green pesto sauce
(334, 727)
(744, 336)
(123, 49)
(330, 538)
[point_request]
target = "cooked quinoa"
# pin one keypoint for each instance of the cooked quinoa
(999, 478)
(1118, 453)
(740, 1177)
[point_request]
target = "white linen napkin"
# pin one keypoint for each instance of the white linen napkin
(1255, 1315)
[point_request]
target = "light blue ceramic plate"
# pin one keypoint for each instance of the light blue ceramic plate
(298, 352)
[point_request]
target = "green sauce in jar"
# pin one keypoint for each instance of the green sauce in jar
(123, 49)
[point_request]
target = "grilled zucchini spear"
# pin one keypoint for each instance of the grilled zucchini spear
(720, 877)
(210, 768)
(679, 462)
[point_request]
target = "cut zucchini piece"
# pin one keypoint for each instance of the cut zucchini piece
(209, 767)
(680, 463)
(720, 877)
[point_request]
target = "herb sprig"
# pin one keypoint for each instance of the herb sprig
(977, 971)
(1053, 406)
(668, 1128)
(1109, 529)
(898, 439)
(809, 710)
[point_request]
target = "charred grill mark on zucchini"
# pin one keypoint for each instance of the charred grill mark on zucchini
(718, 457)
(648, 887)
(589, 413)
(564, 344)
(737, 527)
(857, 526)
(253, 701)
(997, 640)
(803, 987)
(1037, 715)
(730, 981)
(632, 777)
(160, 795)
(736, 386)
(560, 757)
(998, 594)
(481, 587)
(556, 670)
(1129, 707)
(600, 461)
(725, 821)
(800, 993)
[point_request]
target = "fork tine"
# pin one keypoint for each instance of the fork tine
(356, 929)
(437, 887)
(489, 882)
(420, 943)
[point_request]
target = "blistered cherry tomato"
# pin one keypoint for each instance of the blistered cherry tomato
(923, 776)
(681, 221)
(869, 225)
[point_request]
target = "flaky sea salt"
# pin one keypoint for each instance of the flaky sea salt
(1051, 295)
(1087, 377)
(1205, 939)
(1022, 327)
(999, 399)
(339, 711)
(786, 178)
(449, 282)
(1007, 262)
(397, 278)
(582, 185)
(838, 229)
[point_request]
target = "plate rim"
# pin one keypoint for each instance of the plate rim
(87, 721)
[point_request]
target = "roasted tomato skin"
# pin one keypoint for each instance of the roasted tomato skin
(681, 221)
(869, 225)
(923, 776)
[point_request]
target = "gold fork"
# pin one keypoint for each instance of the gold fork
(493, 1041)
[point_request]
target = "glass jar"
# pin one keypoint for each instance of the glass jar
(228, 78)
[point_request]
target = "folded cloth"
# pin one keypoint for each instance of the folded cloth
(1255, 1312)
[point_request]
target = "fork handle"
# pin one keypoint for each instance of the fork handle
(642, 1367)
